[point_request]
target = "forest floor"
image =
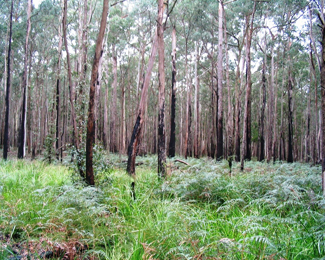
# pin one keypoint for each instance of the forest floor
(200, 211)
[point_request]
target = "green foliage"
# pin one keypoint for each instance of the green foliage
(49, 148)
(271, 211)
(77, 162)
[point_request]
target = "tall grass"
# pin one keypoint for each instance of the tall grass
(198, 212)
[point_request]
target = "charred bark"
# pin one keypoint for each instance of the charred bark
(136, 133)
(6, 142)
(290, 122)
(172, 142)
(94, 77)
(262, 118)
(322, 74)
(219, 154)
(161, 90)
(247, 134)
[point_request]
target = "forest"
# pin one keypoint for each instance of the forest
(241, 79)
(225, 100)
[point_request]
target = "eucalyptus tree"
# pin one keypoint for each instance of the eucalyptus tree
(43, 75)
(323, 101)
(161, 90)
(237, 32)
(172, 141)
(191, 19)
(118, 38)
(321, 17)
(71, 85)
(246, 143)
(58, 136)
(220, 83)
(136, 133)
(230, 114)
(22, 130)
(6, 143)
(188, 11)
(261, 150)
(91, 107)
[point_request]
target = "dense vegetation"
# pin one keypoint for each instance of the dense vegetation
(269, 49)
(200, 211)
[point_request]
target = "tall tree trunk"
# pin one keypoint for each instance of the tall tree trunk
(113, 146)
(220, 86)
(6, 141)
(161, 90)
(22, 128)
(246, 145)
(290, 123)
(275, 142)
(136, 133)
(212, 126)
(71, 87)
(58, 112)
(322, 75)
(238, 109)
(94, 77)
(30, 112)
(197, 104)
(172, 142)
(82, 68)
(97, 96)
(230, 119)
(123, 124)
(105, 130)
(308, 155)
(261, 125)
(271, 112)
(188, 104)
(314, 141)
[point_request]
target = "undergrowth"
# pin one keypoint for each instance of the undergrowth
(269, 211)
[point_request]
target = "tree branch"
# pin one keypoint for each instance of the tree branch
(116, 3)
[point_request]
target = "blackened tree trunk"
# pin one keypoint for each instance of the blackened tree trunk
(220, 87)
(136, 133)
(262, 118)
(91, 108)
(22, 128)
(161, 90)
(98, 104)
(290, 123)
(246, 145)
(172, 142)
(272, 112)
(6, 142)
